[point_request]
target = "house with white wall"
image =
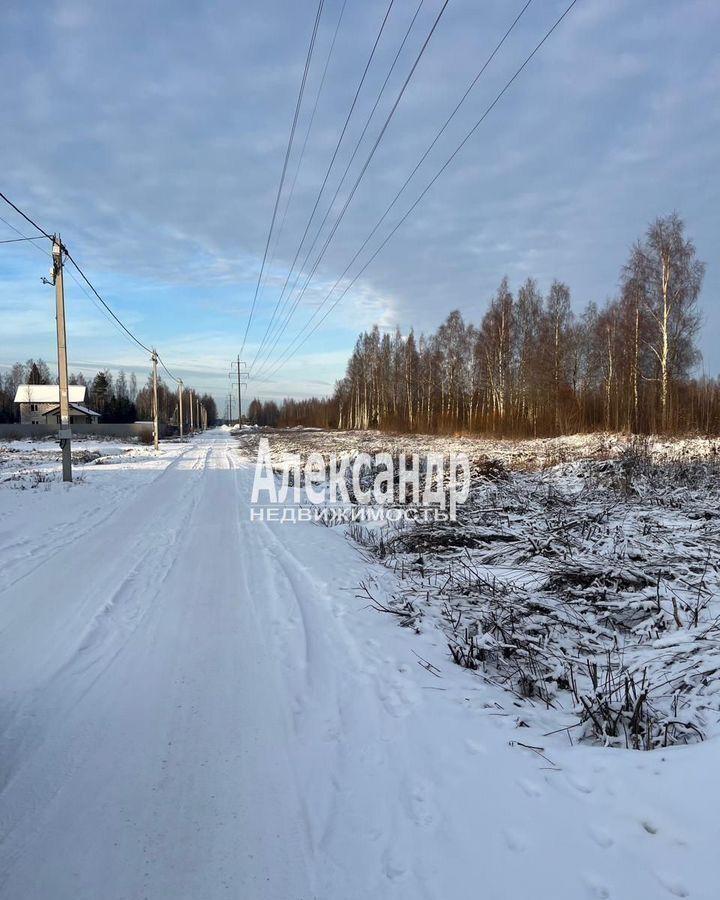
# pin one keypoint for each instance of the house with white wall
(39, 404)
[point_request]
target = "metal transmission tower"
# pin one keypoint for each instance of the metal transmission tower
(238, 369)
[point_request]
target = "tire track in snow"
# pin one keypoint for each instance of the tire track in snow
(27, 725)
(353, 740)
(263, 584)
(96, 518)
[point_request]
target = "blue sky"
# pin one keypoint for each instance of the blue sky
(151, 136)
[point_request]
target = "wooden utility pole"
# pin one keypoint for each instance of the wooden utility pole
(156, 423)
(180, 409)
(192, 427)
(64, 432)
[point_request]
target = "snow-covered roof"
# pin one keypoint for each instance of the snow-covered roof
(78, 407)
(48, 393)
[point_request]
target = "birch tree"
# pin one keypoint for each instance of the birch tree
(668, 277)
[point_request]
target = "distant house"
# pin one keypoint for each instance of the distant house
(39, 404)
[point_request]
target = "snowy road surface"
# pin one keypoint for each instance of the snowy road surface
(194, 705)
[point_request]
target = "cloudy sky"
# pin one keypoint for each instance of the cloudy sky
(152, 137)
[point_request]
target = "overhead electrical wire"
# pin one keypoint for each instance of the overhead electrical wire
(291, 351)
(329, 168)
(26, 217)
(284, 168)
(330, 206)
(359, 178)
(119, 321)
(419, 163)
(24, 237)
(294, 346)
(305, 141)
(70, 273)
(95, 297)
(169, 373)
(103, 312)
(17, 240)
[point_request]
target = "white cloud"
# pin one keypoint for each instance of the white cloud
(162, 167)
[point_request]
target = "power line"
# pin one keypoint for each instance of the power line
(113, 319)
(99, 307)
(347, 167)
(327, 174)
(358, 179)
(285, 165)
(104, 307)
(107, 309)
(305, 141)
(419, 163)
(359, 141)
(92, 288)
(17, 240)
(25, 238)
(25, 216)
(290, 351)
(170, 374)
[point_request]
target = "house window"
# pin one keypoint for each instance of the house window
(36, 421)
(33, 407)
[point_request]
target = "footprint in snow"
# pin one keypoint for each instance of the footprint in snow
(399, 698)
(515, 840)
(420, 809)
(580, 784)
(394, 866)
(475, 747)
(531, 788)
(673, 885)
(601, 836)
(596, 888)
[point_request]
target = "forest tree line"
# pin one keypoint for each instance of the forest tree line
(116, 397)
(533, 366)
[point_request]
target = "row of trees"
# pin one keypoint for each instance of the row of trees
(534, 366)
(115, 397)
(321, 413)
(169, 403)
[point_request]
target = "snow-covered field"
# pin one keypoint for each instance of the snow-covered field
(195, 705)
(581, 575)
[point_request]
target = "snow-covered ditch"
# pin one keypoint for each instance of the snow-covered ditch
(581, 577)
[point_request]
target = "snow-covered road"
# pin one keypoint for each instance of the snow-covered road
(196, 706)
